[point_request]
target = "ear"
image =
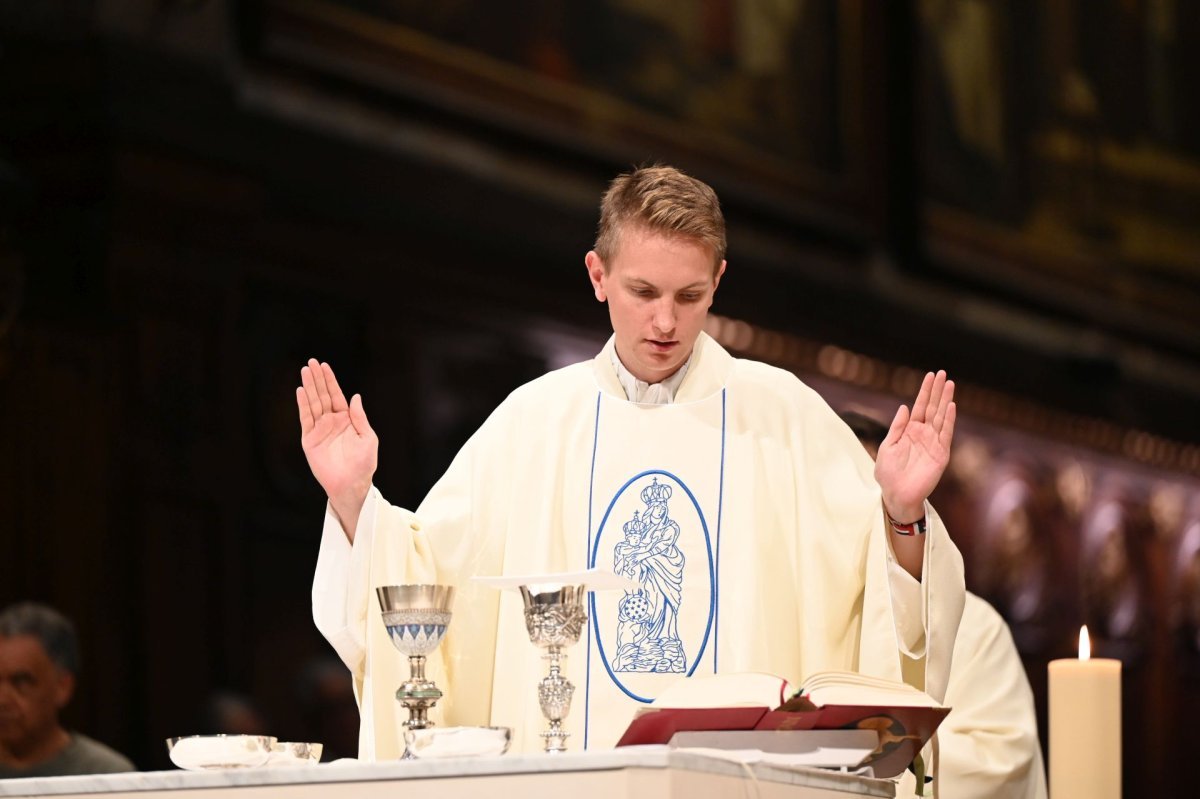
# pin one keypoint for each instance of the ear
(596, 274)
(64, 688)
(720, 271)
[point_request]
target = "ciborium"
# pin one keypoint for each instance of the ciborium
(554, 620)
(416, 617)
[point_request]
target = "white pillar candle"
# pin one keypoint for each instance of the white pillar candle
(1085, 726)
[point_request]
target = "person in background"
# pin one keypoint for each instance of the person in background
(989, 743)
(39, 663)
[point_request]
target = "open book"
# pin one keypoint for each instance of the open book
(727, 707)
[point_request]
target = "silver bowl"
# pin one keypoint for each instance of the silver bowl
(201, 752)
(294, 753)
(444, 742)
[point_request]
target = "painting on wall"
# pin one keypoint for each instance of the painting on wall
(1060, 138)
(768, 91)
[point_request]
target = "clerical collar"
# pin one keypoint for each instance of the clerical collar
(662, 393)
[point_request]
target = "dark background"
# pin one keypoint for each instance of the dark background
(197, 196)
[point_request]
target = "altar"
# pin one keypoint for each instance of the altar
(610, 774)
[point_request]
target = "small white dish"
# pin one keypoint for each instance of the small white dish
(203, 752)
(434, 742)
(294, 753)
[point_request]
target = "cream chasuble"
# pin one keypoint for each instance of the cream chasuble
(746, 512)
(655, 518)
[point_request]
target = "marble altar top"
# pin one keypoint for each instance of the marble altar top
(349, 771)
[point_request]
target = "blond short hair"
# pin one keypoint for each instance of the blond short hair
(661, 199)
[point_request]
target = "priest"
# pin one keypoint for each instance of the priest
(756, 532)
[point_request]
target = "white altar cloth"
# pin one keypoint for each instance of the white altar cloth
(603, 774)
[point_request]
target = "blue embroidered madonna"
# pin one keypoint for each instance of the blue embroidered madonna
(647, 628)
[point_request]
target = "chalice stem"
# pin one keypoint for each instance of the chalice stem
(554, 694)
(416, 617)
(554, 619)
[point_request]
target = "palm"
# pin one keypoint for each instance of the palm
(341, 448)
(338, 456)
(915, 454)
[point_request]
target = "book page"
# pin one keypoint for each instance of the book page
(742, 689)
(849, 688)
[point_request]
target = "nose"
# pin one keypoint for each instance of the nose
(664, 317)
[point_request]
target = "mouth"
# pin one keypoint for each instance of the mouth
(661, 346)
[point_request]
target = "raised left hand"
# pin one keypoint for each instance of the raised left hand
(915, 452)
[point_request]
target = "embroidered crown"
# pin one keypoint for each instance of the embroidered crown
(656, 493)
(633, 525)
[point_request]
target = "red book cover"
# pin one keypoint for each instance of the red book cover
(658, 726)
(902, 730)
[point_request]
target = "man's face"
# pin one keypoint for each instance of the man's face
(33, 689)
(658, 290)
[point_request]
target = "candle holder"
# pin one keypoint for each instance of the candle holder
(554, 620)
(416, 617)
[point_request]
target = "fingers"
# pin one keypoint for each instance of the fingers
(936, 392)
(899, 422)
(323, 395)
(336, 397)
(946, 434)
(937, 396)
(944, 402)
(932, 398)
(320, 394)
(920, 405)
(358, 416)
(309, 385)
(306, 416)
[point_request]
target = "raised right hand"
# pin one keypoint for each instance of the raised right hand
(341, 448)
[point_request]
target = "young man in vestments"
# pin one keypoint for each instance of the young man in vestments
(760, 534)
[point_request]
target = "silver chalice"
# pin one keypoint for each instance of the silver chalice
(554, 620)
(416, 617)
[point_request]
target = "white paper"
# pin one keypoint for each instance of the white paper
(594, 579)
(822, 748)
